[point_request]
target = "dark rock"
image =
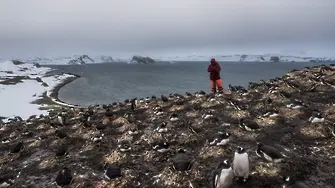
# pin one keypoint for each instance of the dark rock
(142, 60)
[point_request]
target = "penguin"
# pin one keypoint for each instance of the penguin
(269, 153)
(109, 113)
(208, 115)
(181, 161)
(231, 88)
(296, 104)
(188, 94)
(248, 124)
(316, 117)
(112, 171)
(16, 148)
(241, 164)
(271, 113)
(174, 117)
(61, 150)
(141, 100)
(180, 102)
(171, 96)
(60, 119)
(164, 98)
(153, 97)
(26, 133)
(133, 131)
(60, 133)
(159, 112)
(133, 105)
(162, 128)
(223, 175)
(64, 177)
(114, 104)
(6, 140)
(290, 183)
(155, 108)
(221, 139)
(147, 100)
(97, 138)
(160, 146)
(124, 145)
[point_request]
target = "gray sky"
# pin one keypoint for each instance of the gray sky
(114, 27)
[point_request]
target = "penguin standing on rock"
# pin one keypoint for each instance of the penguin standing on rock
(241, 164)
(64, 177)
(269, 153)
(223, 175)
(316, 117)
(174, 117)
(164, 98)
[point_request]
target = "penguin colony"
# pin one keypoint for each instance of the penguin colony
(278, 133)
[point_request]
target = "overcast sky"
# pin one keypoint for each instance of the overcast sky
(114, 27)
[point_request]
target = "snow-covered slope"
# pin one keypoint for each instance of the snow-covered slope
(69, 60)
(21, 84)
(248, 58)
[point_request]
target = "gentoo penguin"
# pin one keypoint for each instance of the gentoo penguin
(159, 112)
(208, 115)
(153, 97)
(141, 100)
(223, 175)
(174, 117)
(220, 140)
(64, 177)
(241, 163)
(124, 145)
(164, 98)
(248, 124)
(188, 94)
(97, 138)
(290, 183)
(181, 161)
(16, 148)
(269, 153)
(296, 104)
(112, 171)
(147, 100)
(6, 140)
(271, 113)
(316, 117)
(162, 128)
(160, 146)
(61, 118)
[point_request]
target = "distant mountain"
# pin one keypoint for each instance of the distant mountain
(86, 59)
(142, 60)
(250, 58)
(72, 60)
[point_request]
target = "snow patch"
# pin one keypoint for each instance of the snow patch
(16, 98)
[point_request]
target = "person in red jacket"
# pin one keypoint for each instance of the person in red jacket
(214, 70)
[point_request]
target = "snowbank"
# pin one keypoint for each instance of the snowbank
(21, 84)
(69, 60)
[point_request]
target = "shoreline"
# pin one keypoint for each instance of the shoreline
(53, 93)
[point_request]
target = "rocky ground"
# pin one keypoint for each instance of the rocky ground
(309, 147)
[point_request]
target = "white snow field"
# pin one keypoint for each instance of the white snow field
(16, 99)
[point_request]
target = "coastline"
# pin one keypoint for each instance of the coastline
(53, 93)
